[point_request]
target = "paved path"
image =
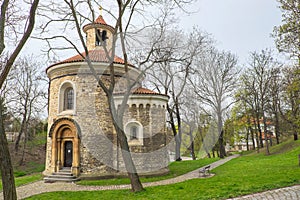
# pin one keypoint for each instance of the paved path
(288, 193)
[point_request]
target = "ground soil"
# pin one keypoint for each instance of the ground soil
(34, 158)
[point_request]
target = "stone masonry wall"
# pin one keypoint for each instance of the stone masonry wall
(99, 152)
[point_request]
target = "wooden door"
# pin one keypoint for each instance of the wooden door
(68, 154)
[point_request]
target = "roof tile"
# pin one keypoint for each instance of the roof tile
(95, 56)
(100, 20)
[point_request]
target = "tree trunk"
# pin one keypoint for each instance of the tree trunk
(177, 147)
(21, 162)
(202, 140)
(252, 137)
(222, 148)
(260, 136)
(192, 148)
(247, 139)
(221, 134)
(295, 136)
(266, 135)
(208, 155)
(175, 133)
(135, 182)
(23, 125)
(179, 132)
(277, 132)
(8, 181)
(257, 140)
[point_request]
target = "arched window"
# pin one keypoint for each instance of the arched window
(133, 133)
(100, 37)
(69, 99)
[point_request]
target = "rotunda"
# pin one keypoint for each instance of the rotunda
(81, 136)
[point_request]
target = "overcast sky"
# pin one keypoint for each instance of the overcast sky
(239, 26)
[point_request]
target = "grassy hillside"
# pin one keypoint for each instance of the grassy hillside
(246, 174)
(34, 157)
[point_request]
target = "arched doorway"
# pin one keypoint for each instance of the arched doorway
(65, 145)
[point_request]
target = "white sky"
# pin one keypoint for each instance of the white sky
(239, 26)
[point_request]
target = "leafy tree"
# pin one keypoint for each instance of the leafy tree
(291, 99)
(255, 91)
(288, 34)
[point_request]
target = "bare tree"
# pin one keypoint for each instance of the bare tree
(175, 55)
(26, 98)
(192, 114)
(7, 13)
(214, 83)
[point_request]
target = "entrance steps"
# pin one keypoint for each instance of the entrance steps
(63, 175)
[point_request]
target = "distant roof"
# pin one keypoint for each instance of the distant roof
(95, 56)
(141, 90)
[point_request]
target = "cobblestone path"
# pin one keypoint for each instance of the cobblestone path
(287, 193)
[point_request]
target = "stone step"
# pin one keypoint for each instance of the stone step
(58, 176)
(63, 175)
(50, 179)
(65, 169)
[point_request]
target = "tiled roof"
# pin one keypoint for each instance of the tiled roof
(141, 90)
(95, 56)
(100, 20)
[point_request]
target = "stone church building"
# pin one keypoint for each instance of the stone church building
(81, 137)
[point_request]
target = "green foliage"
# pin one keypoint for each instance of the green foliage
(244, 175)
(39, 139)
(19, 173)
(287, 35)
(292, 98)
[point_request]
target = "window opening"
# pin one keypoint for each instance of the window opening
(98, 37)
(133, 133)
(69, 99)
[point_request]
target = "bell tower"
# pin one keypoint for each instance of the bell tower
(99, 34)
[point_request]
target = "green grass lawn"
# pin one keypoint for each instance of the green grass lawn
(246, 174)
(176, 169)
(26, 179)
